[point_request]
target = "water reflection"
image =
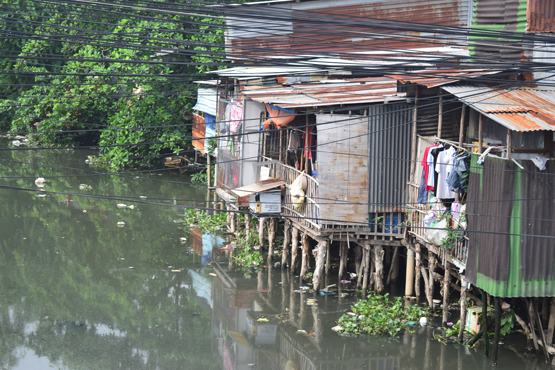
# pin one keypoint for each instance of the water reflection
(273, 323)
(79, 292)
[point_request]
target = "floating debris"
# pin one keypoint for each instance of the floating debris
(41, 195)
(311, 302)
(212, 274)
(120, 224)
(183, 240)
(142, 196)
(84, 211)
(337, 328)
(176, 270)
(121, 205)
(16, 142)
(40, 181)
(262, 320)
(85, 187)
(423, 321)
(301, 332)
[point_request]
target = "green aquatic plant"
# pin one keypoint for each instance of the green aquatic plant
(245, 255)
(379, 315)
(211, 223)
(200, 178)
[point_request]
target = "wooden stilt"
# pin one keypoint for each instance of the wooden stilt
(343, 253)
(361, 258)
(320, 260)
(305, 255)
(432, 263)
(378, 268)
(497, 305)
(531, 323)
(248, 223)
(328, 259)
(417, 268)
(261, 222)
(232, 226)
(294, 248)
(462, 319)
(409, 273)
(271, 237)
(393, 273)
(366, 270)
(484, 323)
(551, 323)
(445, 305)
(259, 281)
(286, 243)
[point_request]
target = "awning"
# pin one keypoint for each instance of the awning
(244, 192)
(519, 109)
(207, 98)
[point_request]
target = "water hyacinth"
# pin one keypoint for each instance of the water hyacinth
(379, 315)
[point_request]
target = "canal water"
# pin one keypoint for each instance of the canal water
(88, 284)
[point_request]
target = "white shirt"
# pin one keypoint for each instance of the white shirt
(444, 165)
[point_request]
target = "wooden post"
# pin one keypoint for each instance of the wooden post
(343, 253)
(305, 255)
(497, 332)
(509, 144)
(320, 260)
(286, 242)
(551, 323)
(484, 324)
(393, 274)
(271, 237)
(361, 266)
(414, 135)
(328, 259)
(409, 275)
(445, 305)
(480, 132)
(208, 171)
(463, 308)
(440, 116)
(432, 263)
(294, 248)
(359, 260)
(247, 223)
(378, 268)
(366, 251)
(261, 222)
(417, 268)
(461, 125)
(232, 228)
(532, 319)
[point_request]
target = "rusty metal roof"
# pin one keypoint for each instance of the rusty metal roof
(338, 92)
(540, 16)
(438, 77)
(519, 109)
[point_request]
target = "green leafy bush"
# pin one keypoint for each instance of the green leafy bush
(211, 223)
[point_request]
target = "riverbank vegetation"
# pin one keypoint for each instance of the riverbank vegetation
(380, 315)
(210, 223)
(115, 80)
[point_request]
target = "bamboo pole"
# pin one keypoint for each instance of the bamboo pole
(366, 270)
(432, 263)
(440, 116)
(343, 253)
(359, 261)
(414, 135)
(480, 132)
(261, 222)
(328, 259)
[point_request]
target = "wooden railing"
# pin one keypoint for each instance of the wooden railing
(309, 212)
(457, 253)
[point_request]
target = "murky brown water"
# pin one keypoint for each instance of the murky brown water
(79, 292)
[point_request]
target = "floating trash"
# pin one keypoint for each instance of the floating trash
(131, 206)
(311, 302)
(121, 205)
(423, 321)
(183, 240)
(337, 328)
(176, 270)
(262, 320)
(84, 211)
(85, 187)
(212, 274)
(16, 143)
(142, 196)
(120, 224)
(40, 181)
(301, 332)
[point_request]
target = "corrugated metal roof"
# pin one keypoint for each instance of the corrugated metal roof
(353, 91)
(541, 16)
(439, 77)
(265, 71)
(522, 109)
(207, 98)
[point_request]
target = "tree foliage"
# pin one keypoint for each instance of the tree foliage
(71, 71)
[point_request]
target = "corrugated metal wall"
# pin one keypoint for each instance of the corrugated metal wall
(511, 228)
(541, 16)
(389, 148)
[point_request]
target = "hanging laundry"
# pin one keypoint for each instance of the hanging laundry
(235, 117)
(444, 165)
(457, 180)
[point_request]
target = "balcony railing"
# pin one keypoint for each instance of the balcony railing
(457, 253)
